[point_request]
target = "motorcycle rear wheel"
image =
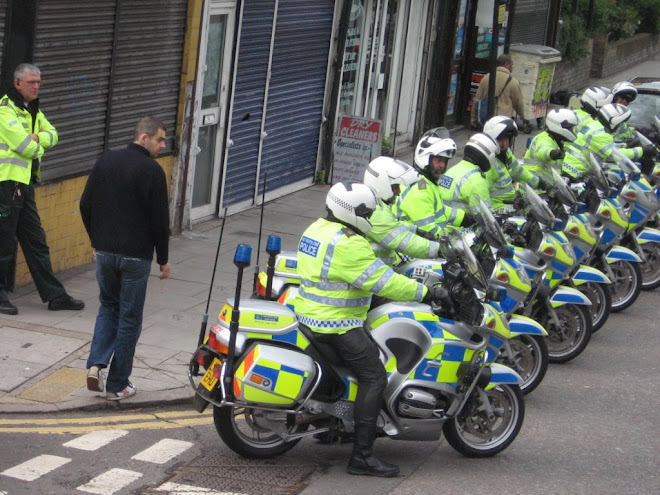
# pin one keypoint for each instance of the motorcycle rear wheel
(626, 284)
(239, 429)
(651, 267)
(601, 303)
(530, 360)
(567, 341)
(473, 434)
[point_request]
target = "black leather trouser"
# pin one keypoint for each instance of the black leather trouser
(361, 356)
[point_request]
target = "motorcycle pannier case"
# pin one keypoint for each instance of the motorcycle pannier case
(273, 376)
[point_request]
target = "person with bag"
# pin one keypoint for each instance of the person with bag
(508, 95)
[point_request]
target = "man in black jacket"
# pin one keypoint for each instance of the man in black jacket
(125, 210)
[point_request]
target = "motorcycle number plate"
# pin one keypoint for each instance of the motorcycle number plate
(209, 380)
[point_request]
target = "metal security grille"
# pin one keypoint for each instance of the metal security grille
(530, 21)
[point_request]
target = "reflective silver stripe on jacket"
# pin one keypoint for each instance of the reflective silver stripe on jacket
(338, 302)
(457, 191)
(313, 322)
(14, 161)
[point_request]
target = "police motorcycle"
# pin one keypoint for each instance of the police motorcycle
(549, 259)
(271, 385)
(642, 204)
(583, 238)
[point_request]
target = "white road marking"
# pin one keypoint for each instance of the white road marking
(177, 489)
(35, 468)
(110, 482)
(163, 451)
(95, 440)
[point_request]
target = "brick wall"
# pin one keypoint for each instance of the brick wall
(59, 209)
(610, 58)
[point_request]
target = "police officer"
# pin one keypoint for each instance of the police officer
(388, 235)
(421, 203)
(339, 273)
(546, 151)
(464, 184)
(506, 168)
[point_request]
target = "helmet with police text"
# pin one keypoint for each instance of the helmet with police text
(481, 150)
(594, 98)
(500, 127)
(560, 123)
(433, 146)
(384, 172)
(352, 203)
(612, 115)
(624, 90)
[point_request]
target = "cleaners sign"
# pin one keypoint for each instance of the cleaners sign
(357, 142)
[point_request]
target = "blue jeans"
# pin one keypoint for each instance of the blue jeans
(123, 285)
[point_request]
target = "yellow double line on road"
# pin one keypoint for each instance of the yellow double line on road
(156, 421)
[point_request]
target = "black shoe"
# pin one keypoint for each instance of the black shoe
(65, 302)
(7, 308)
(366, 463)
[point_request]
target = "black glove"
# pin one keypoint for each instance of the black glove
(468, 220)
(557, 154)
(649, 151)
(424, 234)
(436, 294)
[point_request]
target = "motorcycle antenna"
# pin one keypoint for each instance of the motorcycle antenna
(261, 222)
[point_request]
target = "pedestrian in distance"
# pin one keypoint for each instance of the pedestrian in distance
(125, 210)
(25, 135)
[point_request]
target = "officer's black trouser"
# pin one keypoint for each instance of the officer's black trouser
(20, 220)
(361, 356)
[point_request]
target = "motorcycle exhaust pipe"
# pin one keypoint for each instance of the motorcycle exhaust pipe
(273, 248)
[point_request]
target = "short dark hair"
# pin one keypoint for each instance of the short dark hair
(503, 60)
(148, 125)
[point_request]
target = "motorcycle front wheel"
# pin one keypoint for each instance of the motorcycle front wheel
(567, 340)
(626, 284)
(243, 431)
(530, 360)
(651, 267)
(601, 303)
(474, 433)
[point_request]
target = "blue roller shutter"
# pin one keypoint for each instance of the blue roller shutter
(248, 101)
(297, 87)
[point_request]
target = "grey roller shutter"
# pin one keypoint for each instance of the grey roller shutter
(296, 91)
(147, 71)
(73, 49)
(248, 101)
(530, 21)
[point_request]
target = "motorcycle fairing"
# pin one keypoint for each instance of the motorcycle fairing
(586, 274)
(568, 295)
(620, 253)
(523, 325)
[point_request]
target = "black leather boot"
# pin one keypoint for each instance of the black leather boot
(363, 461)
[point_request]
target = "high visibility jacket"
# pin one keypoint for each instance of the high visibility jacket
(338, 274)
(537, 157)
(501, 176)
(593, 137)
(389, 236)
(17, 149)
(463, 185)
(422, 205)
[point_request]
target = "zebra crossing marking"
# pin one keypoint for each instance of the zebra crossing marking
(163, 451)
(178, 489)
(110, 482)
(36, 467)
(95, 440)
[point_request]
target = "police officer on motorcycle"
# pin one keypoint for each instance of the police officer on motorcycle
(339, 272)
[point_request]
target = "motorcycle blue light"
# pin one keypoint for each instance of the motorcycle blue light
(243, 255)
(274, 244)
(559, 225)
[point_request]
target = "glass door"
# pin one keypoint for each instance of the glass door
(213, 80)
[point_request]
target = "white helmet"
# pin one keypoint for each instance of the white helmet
(560, 123)
(625, 90)
(384, 172)
(612, 115)
(352, 203)
(500, 127)
(481, 150)
(595, 97)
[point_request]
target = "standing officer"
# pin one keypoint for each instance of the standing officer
(25, 135)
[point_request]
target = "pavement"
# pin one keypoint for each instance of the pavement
(43, 353)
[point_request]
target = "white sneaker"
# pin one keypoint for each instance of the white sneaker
(95, 379)
(129, 391)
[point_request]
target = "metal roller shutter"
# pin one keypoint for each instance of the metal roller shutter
(73, 49)
(248, 101)
(147, 71)
(530, 21)
(296, 91)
